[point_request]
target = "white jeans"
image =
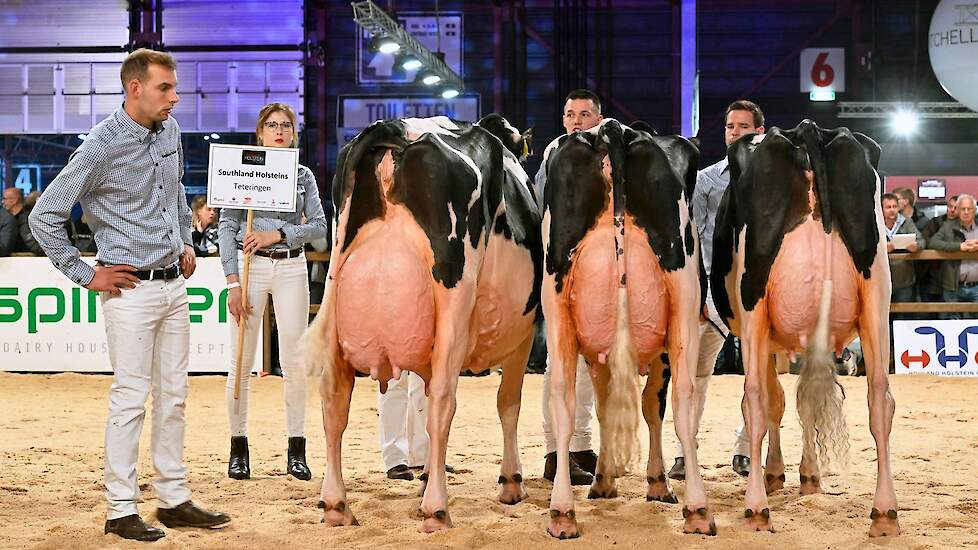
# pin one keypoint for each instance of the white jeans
(711, 342)
(403, 415)
(285, 280)
(148, 334)
(584, 390)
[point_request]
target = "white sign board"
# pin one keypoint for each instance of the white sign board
(380, 68)
(938, 347)
(823, 68)
(48, 324)
(252, 178)
(354, 113)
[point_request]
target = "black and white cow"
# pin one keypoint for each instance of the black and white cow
(621, 286)
(435, 268)
(799, 262)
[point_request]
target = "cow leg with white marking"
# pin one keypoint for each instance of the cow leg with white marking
(508, 406)
(336, 414)
(454, 307)
(755, 339)
(682, 343)
(563, 349)
(653, 409)
(774, 466)
(874, 334)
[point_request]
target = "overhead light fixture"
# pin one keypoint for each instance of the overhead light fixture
(411, 63)
(432, 68)
(383, 43)
(449, 93)
(83, 137)
(905, 122)
(429, 78)
(215, 136)
(822, 94)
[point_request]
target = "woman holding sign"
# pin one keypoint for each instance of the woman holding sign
(277, 268)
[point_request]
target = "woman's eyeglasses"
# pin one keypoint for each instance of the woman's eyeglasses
(272, 125)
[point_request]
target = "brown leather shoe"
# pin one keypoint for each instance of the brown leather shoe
(132, 527)
(189, 515)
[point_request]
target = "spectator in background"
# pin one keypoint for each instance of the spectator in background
(959, 278)
(80, 234)
(928, 273)
(204, 226)
(907, 201)
(901, 271)
(13, 202)
(8, 232)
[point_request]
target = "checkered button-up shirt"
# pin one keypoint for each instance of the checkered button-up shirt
(233, 226)
(128, 181)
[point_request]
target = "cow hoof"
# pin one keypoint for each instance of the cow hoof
(439, 520)
(884, 525)
(659, 490)
(603, 487)
(337, 514)
(699, 521)
(759, 521)
(512, 491)
(563, 525)
(810, 485)
(773, 483)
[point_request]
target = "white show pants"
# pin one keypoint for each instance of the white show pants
(403, 412)
(286, 280)
(584, 390)
(711, 342)
(148, 334)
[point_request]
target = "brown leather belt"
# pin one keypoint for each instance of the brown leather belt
(276, 254)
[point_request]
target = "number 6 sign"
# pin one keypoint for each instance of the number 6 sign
(823, 68)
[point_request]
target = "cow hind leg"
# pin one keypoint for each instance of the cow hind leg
(774, 467)
(508, 405)
(603, 485)
(758, 513)
(448, 353)
(875, 338)
(336, 413)
(654, 409)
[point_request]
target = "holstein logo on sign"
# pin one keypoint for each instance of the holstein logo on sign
(935, 347)
(255, 158)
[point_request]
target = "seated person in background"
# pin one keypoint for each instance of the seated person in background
(8, 232)
(959, 278)
(80, 234)
(204, 227)
(13, 202)
(901, 271)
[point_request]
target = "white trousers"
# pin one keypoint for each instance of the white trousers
(285, 280)
(403, 412)
(711, 342)
(584, 390)
(148, 334)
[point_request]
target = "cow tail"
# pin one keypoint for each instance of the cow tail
(621, 411)
(819, 394)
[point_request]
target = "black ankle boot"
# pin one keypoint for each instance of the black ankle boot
(297, 459)
(238, 467)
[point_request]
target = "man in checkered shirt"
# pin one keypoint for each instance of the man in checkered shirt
(127, 177)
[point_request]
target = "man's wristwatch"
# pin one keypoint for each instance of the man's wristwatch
(281, 233)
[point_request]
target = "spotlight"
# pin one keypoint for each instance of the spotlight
(449, 93)
(410, 63)
(822, 94)
(215, 136)
(207, 138)
(83, 137)
(429, 78)
(384, 44)
(905, 122)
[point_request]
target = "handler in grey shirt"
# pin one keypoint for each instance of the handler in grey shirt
(127, 177)
(742, 117)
